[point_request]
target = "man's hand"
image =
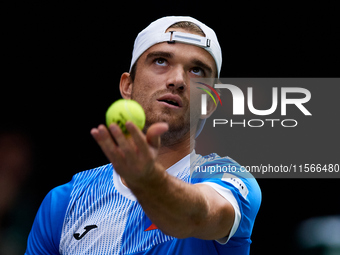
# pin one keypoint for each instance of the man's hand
(132, 156)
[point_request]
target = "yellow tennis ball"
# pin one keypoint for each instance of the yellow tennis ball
(124, 110)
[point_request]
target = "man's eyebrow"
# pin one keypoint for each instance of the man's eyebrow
(159, 54)
(202, 65)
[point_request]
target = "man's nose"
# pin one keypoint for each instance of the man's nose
(177, 79)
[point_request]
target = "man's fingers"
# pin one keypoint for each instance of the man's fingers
(138, 137)
(100, 134)
(152, 136)
(125, 143)
(106, 142)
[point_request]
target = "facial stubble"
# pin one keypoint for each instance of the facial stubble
(179, 125)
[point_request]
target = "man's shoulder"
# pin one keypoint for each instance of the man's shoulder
(80, 181)
(228, 173)
(98, 174)
(214, 157)
(214, 166)
(47, 227)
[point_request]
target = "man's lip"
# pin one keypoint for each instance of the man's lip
(171, 97)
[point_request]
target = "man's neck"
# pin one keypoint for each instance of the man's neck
(170, 154)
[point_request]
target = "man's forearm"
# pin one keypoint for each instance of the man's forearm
(175, 207)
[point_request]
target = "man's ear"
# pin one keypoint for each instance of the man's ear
(125, 86)
(211, 107)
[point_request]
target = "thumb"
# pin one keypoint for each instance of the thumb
(153, 135)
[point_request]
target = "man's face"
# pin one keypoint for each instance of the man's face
(162, 84)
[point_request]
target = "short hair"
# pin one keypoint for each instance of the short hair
(189, 26)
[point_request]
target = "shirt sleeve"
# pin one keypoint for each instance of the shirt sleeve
(228, 195)
(244, 194)
(45, 234)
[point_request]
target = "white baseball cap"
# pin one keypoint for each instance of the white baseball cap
(155, 33)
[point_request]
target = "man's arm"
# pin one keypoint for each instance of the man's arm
(177, 208)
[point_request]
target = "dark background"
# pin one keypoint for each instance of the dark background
(62, 64)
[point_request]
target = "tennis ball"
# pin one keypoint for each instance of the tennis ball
(124, 110)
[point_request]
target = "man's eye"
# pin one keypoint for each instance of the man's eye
(160, 62)
(198, 71)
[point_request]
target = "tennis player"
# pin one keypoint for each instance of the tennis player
(146, 201)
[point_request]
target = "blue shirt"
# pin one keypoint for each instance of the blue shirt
(96, 214)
